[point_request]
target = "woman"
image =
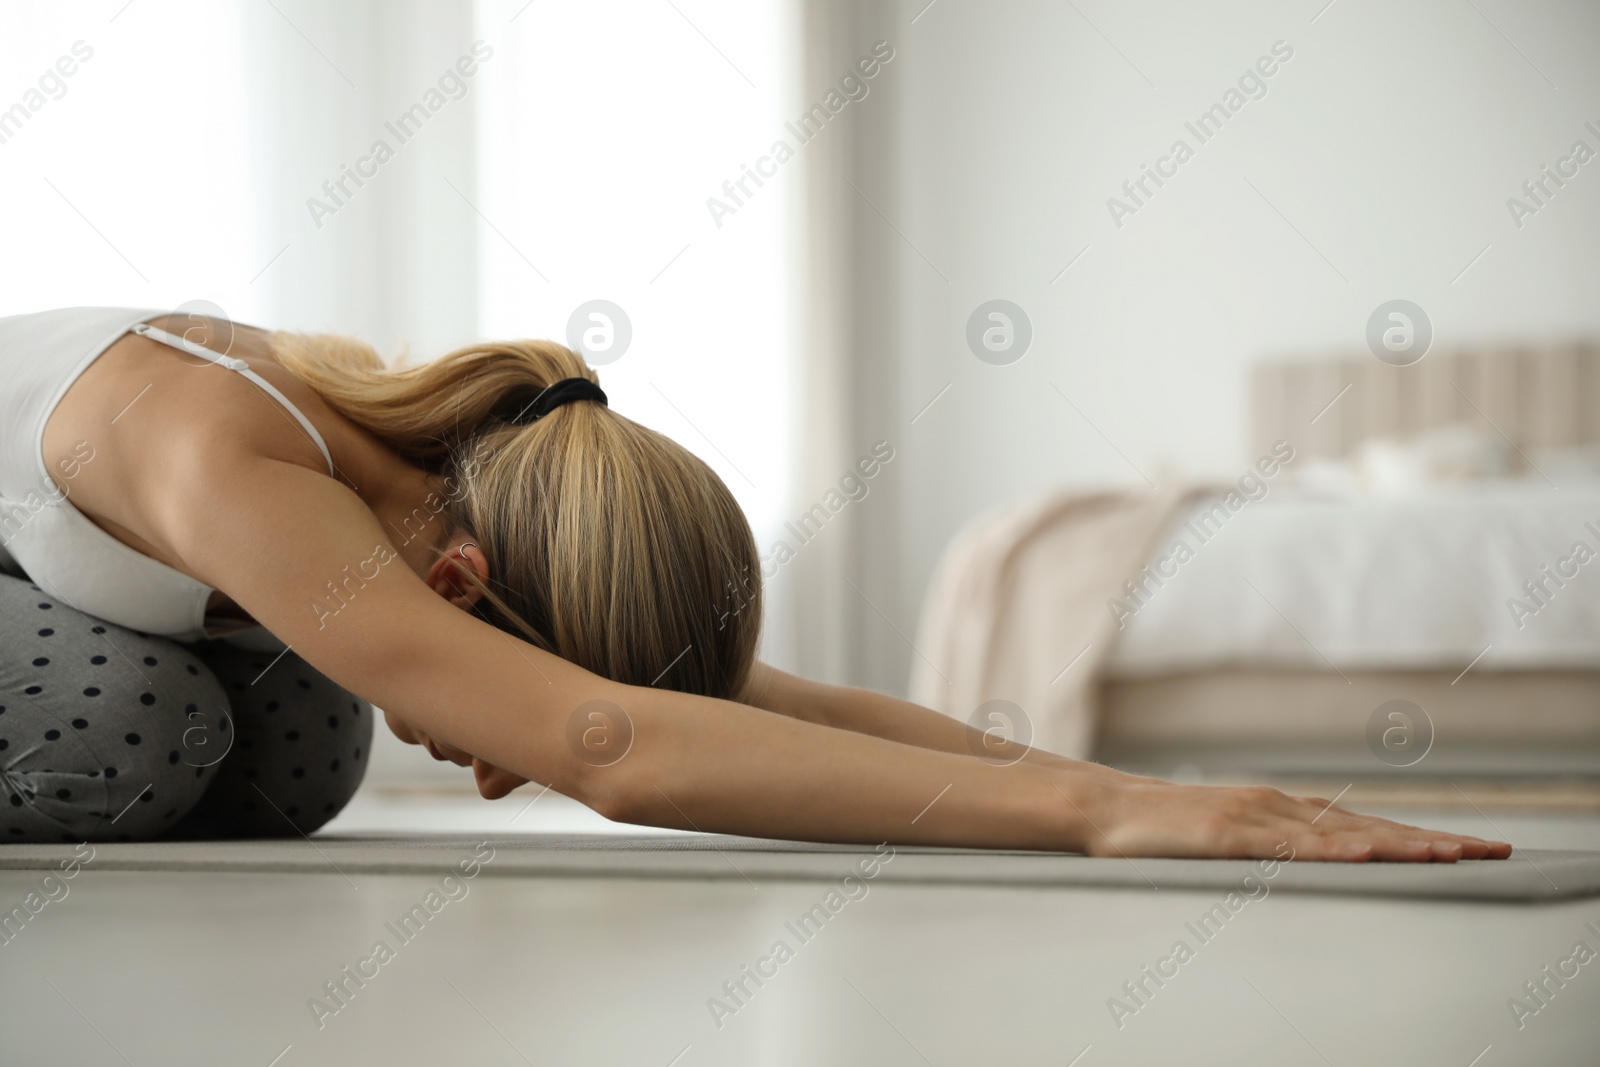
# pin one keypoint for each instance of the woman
(525, 581)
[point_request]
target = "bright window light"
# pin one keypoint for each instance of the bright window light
(603, 131)
(127, 182)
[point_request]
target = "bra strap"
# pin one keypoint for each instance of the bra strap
(184, 345)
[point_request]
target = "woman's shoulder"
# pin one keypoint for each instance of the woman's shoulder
(150, 399)
(144, 416)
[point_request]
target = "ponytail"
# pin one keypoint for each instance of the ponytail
(427, 412)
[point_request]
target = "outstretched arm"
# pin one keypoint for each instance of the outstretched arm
(868, 712)
(278, 537)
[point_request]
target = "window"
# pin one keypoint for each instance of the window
(127, 182)
(603, 131)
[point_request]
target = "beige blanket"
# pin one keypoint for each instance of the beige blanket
(1020, 595)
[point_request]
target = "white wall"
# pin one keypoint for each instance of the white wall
(603, 131)
(129, 182)
(1390, 141)
(396, 260)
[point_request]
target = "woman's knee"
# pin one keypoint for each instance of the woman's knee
(300, 746)
(103, 730)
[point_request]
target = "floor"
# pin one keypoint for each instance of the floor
(176, 969)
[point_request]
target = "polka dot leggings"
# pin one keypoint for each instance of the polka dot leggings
(109, 734)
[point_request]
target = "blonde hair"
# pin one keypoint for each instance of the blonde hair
(609, 544)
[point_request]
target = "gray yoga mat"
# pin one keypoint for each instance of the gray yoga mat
(1530, 875)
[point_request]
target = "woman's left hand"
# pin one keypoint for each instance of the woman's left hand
(493, 783)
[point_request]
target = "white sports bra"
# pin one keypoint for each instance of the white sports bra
(48, 540)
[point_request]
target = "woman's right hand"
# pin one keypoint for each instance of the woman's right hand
(1143, 818)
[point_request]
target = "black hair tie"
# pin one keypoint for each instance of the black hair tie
(553, 396)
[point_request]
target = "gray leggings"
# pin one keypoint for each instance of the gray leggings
(109, 734)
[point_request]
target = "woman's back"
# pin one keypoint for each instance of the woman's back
(97, 423)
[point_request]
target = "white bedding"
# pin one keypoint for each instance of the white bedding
(1368, 582)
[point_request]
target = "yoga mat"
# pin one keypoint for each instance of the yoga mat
(1529, 875)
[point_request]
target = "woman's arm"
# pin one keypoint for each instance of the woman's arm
(307, 559)
(868, 712)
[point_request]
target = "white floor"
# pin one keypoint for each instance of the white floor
(174, 969)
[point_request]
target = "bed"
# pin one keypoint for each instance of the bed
(1434, 540)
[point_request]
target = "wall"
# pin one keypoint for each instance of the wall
(1377, 165)
(394, 258)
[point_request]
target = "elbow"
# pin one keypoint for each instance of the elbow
(616, 807)
(628, 782)
(607, 772)
(612, 795)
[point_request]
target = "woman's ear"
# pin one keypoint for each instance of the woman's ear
(449, 574)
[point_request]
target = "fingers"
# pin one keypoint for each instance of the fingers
(1401, 844)
(1317, 844)
(1447, 847)
(1258, 822)
(1331, 833)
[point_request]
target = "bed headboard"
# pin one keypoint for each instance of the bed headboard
(1538, 395)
